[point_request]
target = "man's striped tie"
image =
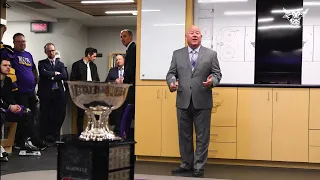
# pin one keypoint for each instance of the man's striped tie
(193, 59)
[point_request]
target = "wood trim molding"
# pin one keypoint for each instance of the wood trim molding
(236, 162)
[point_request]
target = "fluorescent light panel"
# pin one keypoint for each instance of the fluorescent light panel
(107, 2)
(133, 12)
(233, 13)
(220, 1)
(121, 12)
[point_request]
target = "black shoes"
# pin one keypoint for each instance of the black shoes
(42, 145)
(181, 170)
(198, 173)
(188, 172)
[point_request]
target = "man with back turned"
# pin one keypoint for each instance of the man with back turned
(193, 72)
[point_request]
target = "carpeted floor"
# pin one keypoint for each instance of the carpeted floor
(153, 171)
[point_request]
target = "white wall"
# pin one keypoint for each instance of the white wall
(106, 40)
(69, 37)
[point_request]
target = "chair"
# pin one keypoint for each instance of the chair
(9, 141)
(126, 121)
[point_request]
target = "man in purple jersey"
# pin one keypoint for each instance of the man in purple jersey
(27, 77)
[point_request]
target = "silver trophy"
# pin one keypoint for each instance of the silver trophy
(98, 100)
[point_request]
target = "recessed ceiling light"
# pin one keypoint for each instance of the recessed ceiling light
(121, 12)
(233, 13)
(220, 1)
(107, 2)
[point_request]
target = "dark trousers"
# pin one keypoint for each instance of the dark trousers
(28, 100)
(26, 124)
(52, 114)
(80, 119)
(201, 118)
(115, 118)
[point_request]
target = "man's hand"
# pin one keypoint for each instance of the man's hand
(208, 83)
(57, 73)
(118, 81)
(15, 108)
(174, 87)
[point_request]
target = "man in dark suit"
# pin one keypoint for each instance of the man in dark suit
(51, 94)
(116, 75)
(126, 36)
(84, 70)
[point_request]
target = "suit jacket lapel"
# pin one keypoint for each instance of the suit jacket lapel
(200, 55)
(186, 52)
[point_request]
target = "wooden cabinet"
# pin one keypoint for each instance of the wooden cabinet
(314, 122)
(254, 125)
(169, 141)
(314, 146)
(148, 120)
(290, 125)
(224, 111)
(269, 124)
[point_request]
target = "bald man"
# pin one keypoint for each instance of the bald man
(193, 72)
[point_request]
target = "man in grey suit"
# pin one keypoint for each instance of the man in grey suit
(193, 72)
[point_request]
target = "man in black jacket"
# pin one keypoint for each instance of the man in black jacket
(84, 70)
(126, 36)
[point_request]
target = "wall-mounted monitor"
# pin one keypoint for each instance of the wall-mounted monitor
(278, 45)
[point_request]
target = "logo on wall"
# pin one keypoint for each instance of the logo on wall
(294, 16)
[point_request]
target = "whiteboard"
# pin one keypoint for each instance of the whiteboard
(162, 32)
(311, 68)
(232, 38)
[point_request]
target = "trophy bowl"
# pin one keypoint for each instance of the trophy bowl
(98, 99)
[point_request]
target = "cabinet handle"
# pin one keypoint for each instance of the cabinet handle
(214, 150)
(268, 96)
(158, 93)
(165, 94)
(276, 96)
(214, 134)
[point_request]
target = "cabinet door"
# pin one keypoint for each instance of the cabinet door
(148, 120)
(170, 141)
(290, 125)
(314, 122)
(254, 124)
(224, 111)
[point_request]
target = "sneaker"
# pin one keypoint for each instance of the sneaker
(42, 145)
(29, 146)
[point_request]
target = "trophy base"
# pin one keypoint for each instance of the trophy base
(95, 160)
(98, 136)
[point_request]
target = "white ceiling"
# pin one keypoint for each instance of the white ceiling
(18, 12)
